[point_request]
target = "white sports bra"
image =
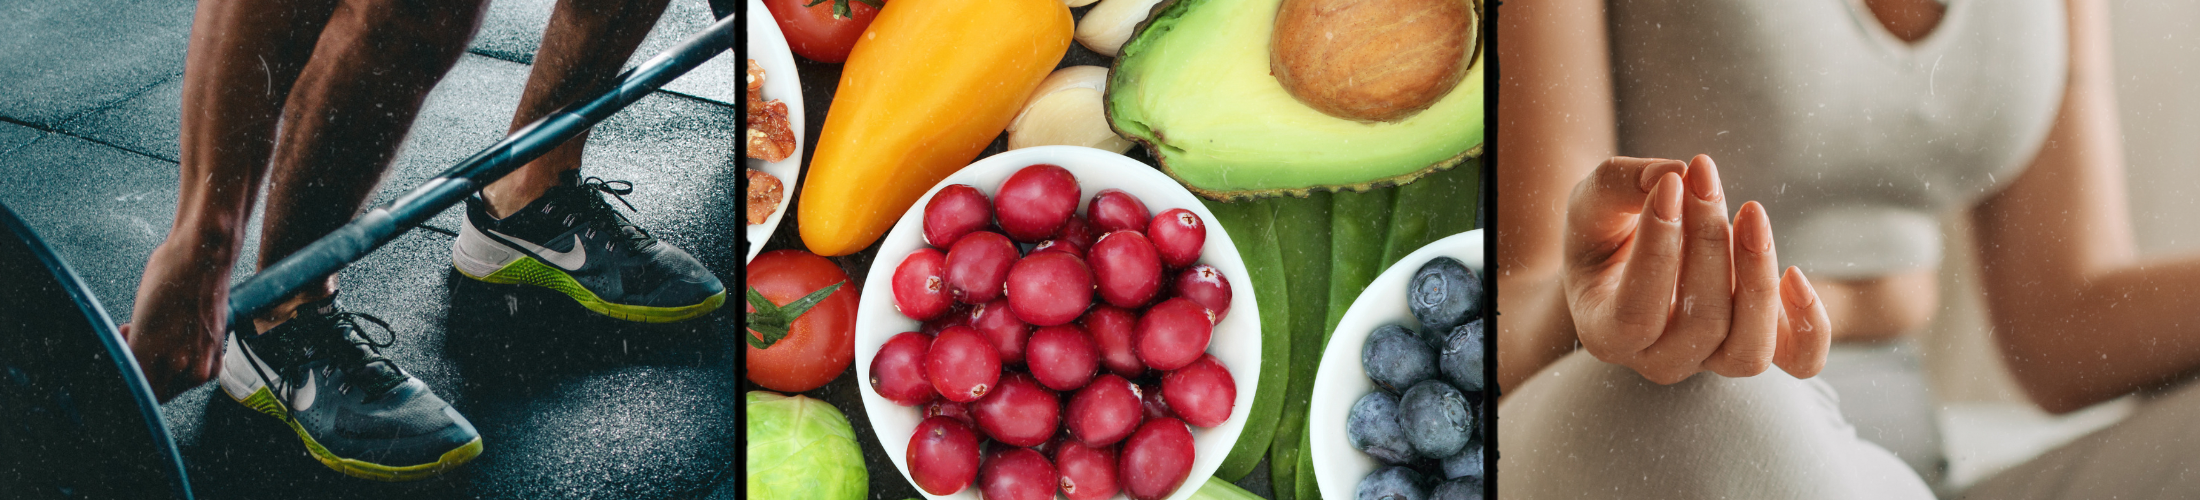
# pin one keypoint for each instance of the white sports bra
(1853, 140)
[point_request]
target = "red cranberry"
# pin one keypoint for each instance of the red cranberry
(1205, 285)
(1178, 234)
(1203, 392)
(1049, 288)
(997, 322)
(1034, 202)
(1126, 268)
(920, 285)
(1019, 412)
(1017, 474)
(1115, 210)
(955, 211)
(962, 366)
(1150, 403)
(1156, 459)
(897, 372)
(950, 409)
(955, 316)
(1076, 232)
(943, 456)
(1057, 245)
(1114, 332)
(1062, 357)
(1105, 411)
(1088, 473)
(1174, 333)
(978, 265)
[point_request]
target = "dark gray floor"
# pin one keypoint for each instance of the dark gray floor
(569, 404)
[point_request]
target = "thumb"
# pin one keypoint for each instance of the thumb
(1601, 213)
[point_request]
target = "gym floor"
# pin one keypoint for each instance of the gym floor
(569, 404)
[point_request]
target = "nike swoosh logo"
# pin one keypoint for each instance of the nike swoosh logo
(568, 260)
(305, 392)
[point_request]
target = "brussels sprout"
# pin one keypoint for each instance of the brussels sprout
(802, 448)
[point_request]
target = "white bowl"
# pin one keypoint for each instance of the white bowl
(769, 48)
(1236, 339)
(1341, 381)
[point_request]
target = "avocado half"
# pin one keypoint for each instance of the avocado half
(1193, 86)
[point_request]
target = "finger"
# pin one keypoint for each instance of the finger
(1644, 296)
(1601, 213)
(1705, 293)
(1751, 341)
(1807, 334)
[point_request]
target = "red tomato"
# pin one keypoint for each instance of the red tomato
(815, 33)
(821, 343)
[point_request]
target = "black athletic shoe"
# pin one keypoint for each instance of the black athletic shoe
(357, 411)
(572, 240)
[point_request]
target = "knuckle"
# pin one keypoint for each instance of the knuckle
(1710, 230)
(1745, 364)
(1638, 317)
(1709, 309)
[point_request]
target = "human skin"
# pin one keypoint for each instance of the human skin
(582, 50)
(2078, 317)
(347, 77)
(1559, 124)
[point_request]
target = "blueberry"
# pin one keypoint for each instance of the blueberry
(1394, 483)
(1372, 427)
(1396, 358)
(1466, 463)
(1444, 294)
(1462, 356)
(1436, 418)
(1464, 488)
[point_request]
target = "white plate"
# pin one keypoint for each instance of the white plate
(1236, 340)
(769, 48)
(1341, 381)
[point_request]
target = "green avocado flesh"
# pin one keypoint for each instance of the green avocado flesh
(1193, 86)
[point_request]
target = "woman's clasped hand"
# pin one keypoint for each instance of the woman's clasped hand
(1660, 280)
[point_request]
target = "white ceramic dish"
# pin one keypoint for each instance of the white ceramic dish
(1236, 340)
(1341, 381)
(769, 48)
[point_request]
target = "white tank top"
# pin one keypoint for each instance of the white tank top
(1853, 140)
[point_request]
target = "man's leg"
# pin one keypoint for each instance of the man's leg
(352, 108)
(313, 365)
(243, 57)
(584, 48)
(546, 226)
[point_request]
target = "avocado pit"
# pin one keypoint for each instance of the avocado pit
(1371, 60)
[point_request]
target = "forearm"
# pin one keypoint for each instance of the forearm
(1534, 329)
(1556, 107)
(2075, 340)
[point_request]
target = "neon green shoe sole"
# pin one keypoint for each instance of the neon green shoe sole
(528, 271)
(264, 401)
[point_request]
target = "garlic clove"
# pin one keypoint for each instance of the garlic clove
(1071, 117)
(1067, 109)
(1105, 28)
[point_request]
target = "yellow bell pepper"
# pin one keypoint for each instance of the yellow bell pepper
(928, 87)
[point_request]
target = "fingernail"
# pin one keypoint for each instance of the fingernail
(1704, 183)
(1798, 290)
(1654, 172)
(1758, 236)
(1667, 201)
